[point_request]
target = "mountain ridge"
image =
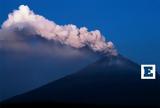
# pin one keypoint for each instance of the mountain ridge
(110, 80)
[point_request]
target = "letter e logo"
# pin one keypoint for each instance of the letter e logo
(148, 71)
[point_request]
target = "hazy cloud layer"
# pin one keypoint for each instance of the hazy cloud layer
(25, 19)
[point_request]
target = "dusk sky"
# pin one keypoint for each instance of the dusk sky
(132, 25)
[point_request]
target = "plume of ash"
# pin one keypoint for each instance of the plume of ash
(70, 35)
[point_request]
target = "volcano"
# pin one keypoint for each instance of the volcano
(110, 81)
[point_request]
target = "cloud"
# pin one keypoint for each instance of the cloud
(25, 19)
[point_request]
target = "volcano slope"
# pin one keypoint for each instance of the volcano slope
(111, 81)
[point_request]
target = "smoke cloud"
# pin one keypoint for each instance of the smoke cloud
(36, 25)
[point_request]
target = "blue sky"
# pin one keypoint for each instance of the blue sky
(132, 25)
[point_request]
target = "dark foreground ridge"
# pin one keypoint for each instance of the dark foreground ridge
(111, 82)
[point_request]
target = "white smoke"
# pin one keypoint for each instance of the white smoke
(25, 18)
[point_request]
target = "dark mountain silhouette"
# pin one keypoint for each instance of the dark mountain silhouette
(111, 81)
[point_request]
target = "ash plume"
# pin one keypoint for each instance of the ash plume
(26, 19)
